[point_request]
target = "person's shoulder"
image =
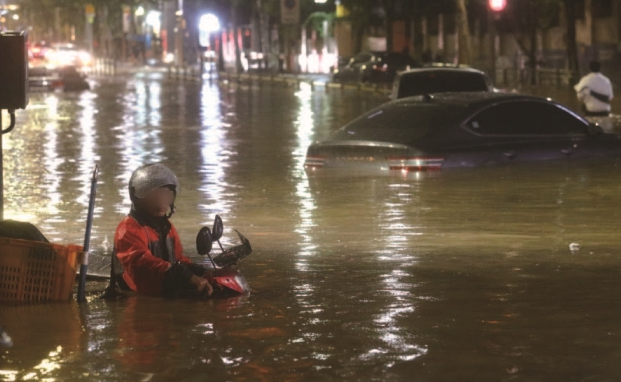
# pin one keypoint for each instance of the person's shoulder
(585, 78)
(591, 76)
(605, 78)
(128, 222)
(600, 75)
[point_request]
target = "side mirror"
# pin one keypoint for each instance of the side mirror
(204, 241)
(218, 229)
(594, 129)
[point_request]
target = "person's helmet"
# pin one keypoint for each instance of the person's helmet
(151, 176)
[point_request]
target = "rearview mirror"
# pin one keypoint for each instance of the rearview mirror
(204, 241)
(218, 229)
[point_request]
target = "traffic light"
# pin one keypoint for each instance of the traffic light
(497, 5)
(13, 70)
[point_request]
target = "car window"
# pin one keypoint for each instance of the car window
(427, 82)
(401, 123)
(526, 118)
(397, 59)
(360, 58)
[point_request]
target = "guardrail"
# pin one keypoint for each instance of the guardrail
(548, 77)
(229, 79)
(104, 66)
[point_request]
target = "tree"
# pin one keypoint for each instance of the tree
(570, 9)
(526, 19)
(362, 14)
(465, 43)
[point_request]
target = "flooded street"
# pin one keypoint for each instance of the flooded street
(461, 275)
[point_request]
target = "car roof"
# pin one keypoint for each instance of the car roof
(441, 70)
(470, 99)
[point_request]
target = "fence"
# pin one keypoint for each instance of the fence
(104, 66)
(559, 78)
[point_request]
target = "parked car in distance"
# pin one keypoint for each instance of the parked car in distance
(67, 54)
(375, 67)
(453, 130)
(41, 78)
(439, 80)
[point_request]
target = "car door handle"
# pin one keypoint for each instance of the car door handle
(509, 154)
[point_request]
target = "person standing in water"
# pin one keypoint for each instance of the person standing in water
(147, 244)
(595, 92)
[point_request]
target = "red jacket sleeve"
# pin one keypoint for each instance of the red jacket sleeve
(178, 247)
(144, 272)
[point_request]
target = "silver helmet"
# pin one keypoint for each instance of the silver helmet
(151, 176)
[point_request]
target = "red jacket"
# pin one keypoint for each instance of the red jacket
(144, 272)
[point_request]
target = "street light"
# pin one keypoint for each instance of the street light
(497, 5)
(207, 24)
(153, 20)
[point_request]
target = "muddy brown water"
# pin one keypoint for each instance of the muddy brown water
(459, 275)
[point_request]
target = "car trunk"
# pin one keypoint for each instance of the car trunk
(370, 154)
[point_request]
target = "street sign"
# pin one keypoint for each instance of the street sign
(290, 11)
(89, 11)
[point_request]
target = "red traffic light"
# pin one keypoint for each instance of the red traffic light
(497, 5)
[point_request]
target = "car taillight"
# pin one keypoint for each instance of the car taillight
(415, 163)
(315, 161)
(380, 68)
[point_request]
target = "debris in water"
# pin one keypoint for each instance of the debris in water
(574, 247)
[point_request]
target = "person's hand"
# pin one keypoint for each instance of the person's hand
(202, 285)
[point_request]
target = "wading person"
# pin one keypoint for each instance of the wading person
(595, 92)
(147, 244)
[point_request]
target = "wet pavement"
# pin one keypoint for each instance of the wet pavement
(455, 275)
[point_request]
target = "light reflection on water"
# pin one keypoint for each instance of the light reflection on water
(449, 276)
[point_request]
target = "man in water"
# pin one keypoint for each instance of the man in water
(595, 92)
(147, 244)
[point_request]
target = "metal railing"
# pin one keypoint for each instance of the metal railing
(104, 66)
(541, 77)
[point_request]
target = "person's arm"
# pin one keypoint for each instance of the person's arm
(184, 274)
(196, 269)
(582, 90)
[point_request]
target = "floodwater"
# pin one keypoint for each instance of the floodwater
(461, 275)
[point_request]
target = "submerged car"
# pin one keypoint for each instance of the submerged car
(447, 130)
(439, 80)
(42, 78)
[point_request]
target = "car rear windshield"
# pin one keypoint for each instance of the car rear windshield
(402, 123)
(395, 59)
(438, 82)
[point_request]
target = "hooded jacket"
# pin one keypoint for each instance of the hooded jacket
(150, 251)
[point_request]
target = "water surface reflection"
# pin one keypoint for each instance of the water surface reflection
(458, 275)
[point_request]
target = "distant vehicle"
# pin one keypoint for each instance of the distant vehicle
(42, 78)
(376, 67)
(61, 55)
(448, 130)
(38, 50)
(439, 80)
